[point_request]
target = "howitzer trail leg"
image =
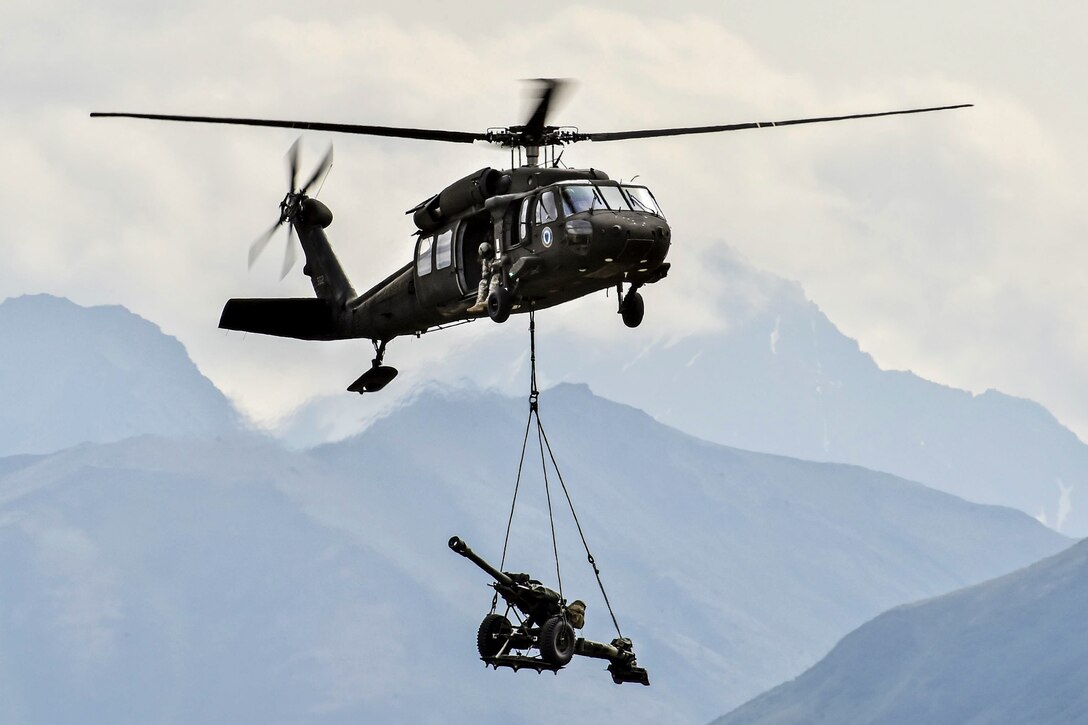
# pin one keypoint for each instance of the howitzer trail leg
(620, 656)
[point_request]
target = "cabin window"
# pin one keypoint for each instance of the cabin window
(523, 223)
(443, 250)
(545, 208)
(423, 257)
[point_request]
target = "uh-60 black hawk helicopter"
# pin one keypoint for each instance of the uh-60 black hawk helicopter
(550, 235)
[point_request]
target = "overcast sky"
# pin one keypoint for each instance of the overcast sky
(949, 244)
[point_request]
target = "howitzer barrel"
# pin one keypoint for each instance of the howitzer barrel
(461, 548)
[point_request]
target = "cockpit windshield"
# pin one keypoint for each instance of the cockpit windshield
(643, 200)
(615, 198)
(580, 197)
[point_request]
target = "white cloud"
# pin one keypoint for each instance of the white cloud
(948, 244)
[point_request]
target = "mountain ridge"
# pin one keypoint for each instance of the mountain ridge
(94, 374)
(319, 583)
(1005, 650)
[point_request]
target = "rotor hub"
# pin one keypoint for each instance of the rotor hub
(290, 206)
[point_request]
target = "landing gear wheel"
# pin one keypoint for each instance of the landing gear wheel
(491, 639)
(378, 376)
(557, 641)
(499, 304)
(633, 309)
(374, 379)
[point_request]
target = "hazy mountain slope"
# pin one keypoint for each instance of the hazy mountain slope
(1008, 650)
(158, 581)
(70, 374)
(811, 393)
(153, 580)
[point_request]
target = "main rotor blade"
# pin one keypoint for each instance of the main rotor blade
(652, 133)
(319, 172)
(424, 134)
(550, 89)
(260, 243)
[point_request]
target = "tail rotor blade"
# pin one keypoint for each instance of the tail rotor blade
(260, 243)
(290, 254)
(320, 171)
(292, 165)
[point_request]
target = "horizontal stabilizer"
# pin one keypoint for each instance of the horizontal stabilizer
(301, 318)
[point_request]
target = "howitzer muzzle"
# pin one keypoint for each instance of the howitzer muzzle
(461, 548)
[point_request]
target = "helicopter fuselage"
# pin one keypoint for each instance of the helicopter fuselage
(555, 235)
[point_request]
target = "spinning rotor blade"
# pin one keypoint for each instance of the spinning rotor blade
(549, 89)
(289, 207)
(424, 134)
(292, 164)
(319, 172)
(290, 254)
(261, 242)
(656, 132)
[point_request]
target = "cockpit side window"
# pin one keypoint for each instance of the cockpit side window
(523, 221)
(545, 208)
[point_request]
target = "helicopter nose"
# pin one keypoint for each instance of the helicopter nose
(630, 240)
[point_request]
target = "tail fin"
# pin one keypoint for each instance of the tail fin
(304, 319)
(322, 267)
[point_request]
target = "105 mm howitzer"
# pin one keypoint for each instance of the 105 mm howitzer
(546, 625)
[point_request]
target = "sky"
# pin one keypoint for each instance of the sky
(949, 244)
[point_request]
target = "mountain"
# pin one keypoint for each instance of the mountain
(72, 374)
(1008, 650)
(779, 377)
(785, 380)
(160, 580)
(165, 581)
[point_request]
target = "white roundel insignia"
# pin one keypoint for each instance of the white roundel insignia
(546, 236)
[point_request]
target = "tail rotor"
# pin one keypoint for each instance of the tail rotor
(291, 207)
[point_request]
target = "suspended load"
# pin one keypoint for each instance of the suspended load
(545, 630)
(544, 636)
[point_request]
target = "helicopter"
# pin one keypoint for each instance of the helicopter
(529, 237)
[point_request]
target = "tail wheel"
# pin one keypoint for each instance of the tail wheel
(493, 635)
(499, 304)
(557, 641)
(633, 309)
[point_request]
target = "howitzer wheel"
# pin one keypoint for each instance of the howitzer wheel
(557, 641)
(493, 635)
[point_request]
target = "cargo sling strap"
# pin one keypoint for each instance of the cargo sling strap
(544, 445)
